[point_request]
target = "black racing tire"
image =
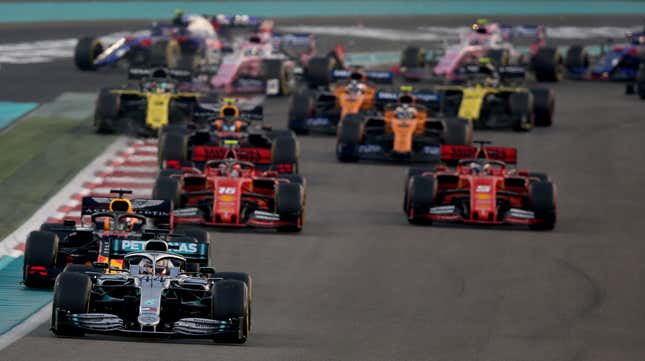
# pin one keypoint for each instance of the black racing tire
(277, 69)
(173, 146)
(106, 112)
(165, 53)
(41, 249)
(285, 150)
(543, 106)
(411, 172)
(167, 189)
(542, 204)
(640, 81)
(318, 71)
(295, 179)
(86, 50)
(289, 204)
(71, 293)
(520, 105)
(300, 108)
(413, 57)
(230, 299)
(198, 234)
(244, 277)
(350, 134)
(576, 57)
(543, 177)
(421, 194)
(547, 65)
(458, 131)
(498, 57)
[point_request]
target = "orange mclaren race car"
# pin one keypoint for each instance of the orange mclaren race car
(482, 189)
(321, 109)
(405, 131)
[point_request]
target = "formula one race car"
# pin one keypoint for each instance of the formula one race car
(232, 193)
(620, 63)
(638, 85)
(481, 190)
(323, 108)
(490, 40)
(190, 42)
(153, 294)
(231, 133)
(404, 132)
(161, 97)
(493, 99)
(116, 226)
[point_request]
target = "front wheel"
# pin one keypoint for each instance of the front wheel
(349, 138)
(72, 295)
(86, 51)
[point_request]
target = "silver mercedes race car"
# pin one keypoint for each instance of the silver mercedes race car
(153, 295)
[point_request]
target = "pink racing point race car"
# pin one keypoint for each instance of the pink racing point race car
(490, 40)
(267, 63)
(232, 193)
(482, 190)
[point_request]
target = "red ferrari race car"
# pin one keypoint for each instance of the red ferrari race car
(231, 130)
(232, 193)
(482, 189)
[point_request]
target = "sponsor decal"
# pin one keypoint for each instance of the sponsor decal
(317, 122)
(482, 189)
(370, 148)
(431, 150)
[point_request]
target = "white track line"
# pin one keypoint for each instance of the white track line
(26, 326)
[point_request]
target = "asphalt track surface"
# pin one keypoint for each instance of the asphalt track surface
(360, 283)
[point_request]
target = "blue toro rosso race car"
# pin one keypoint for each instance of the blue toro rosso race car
(194, 42)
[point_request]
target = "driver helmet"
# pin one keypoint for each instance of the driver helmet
(180, 18)
(354, 87)
(236, 170)
(405, 111)
(475, 168)
(146, 267)
(480, 26)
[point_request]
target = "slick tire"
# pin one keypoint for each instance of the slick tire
(277, 69)
(543, 106)
(576, 58)
(413, 57)
(421, 194)
(167, 189)
(411, 172)
(71, 293)
(458, 131)
(248, 281)
(230, 299)
(86, 50)
(542, 201)
(498, 57)
(350, 134)
(318, 71)
(640, 82)
(521, 109)
(547, 65)
(300, 108)
(173, 146)
(295, 179)
(106, 113)
(41, 249)
(290, 206)
(165, 53)
(285, 151)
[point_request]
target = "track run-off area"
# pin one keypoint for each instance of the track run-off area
(360, 283)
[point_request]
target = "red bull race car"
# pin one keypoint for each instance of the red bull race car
(232, 193)
(482, 189)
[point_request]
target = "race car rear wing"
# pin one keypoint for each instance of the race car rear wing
(523, 31)
(161, 73)
(427, 98)
(376, 76)
(453, 153)
(159, 210)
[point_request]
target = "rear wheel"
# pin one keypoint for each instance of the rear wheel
(318, 71)
(421, 193)
(520, 105)
(640, 81)
(350, 134)
(276, 70)
(300, 109)
(230, 299)
(458, 131)
(498, 57)
(106, 113)
(173, 146)
(413, 57)
(576, 59)
(542, 201)
(72, 294)
(165, 53)
(167, 189)
(87, 49)
(40, 255)
(284, 154)
(543, 106)
(547, 64)
(290, 206)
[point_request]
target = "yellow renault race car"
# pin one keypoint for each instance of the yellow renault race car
(495, 98)
(161, 97)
